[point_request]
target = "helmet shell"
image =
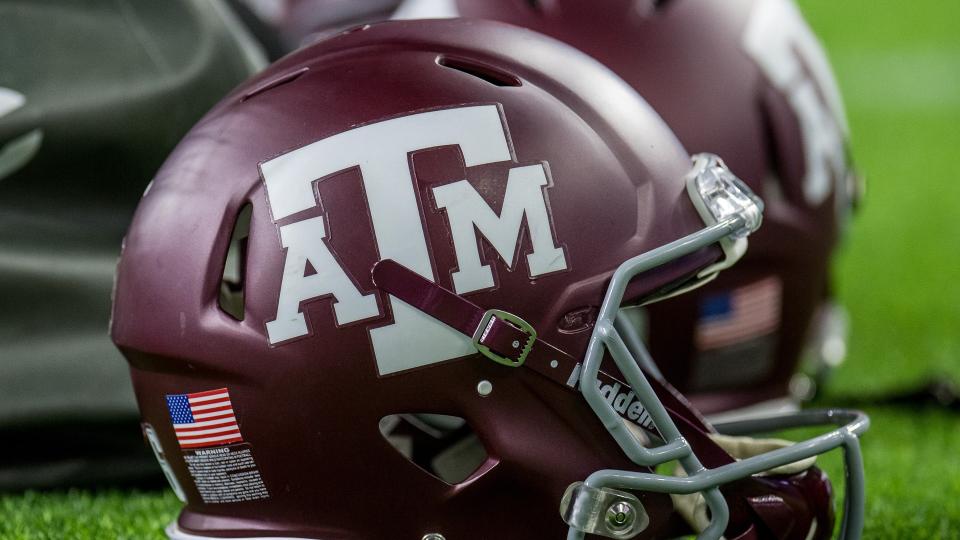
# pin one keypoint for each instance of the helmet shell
(309, 408)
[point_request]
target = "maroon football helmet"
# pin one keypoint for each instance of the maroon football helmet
(409, 243)
(748, 80)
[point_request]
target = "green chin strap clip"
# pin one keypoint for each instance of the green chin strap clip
(511, 319)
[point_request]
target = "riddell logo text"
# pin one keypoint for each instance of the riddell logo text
(626, 404)
(381, 152)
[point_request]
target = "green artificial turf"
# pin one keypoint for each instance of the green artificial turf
(898, 64)
(82, 515)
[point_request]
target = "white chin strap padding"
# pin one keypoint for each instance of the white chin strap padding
(693, 507)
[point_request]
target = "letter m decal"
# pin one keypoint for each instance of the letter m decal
(468, 214)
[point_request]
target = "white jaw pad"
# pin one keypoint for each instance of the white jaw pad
(693, 507)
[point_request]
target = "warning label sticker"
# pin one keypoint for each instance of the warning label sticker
(226, 474)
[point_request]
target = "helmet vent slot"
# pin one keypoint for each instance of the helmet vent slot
(535, 5)
(479, 70)
(443, 446)
(270, 84)
(234, 266)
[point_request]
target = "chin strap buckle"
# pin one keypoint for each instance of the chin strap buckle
(522, 344)
(603, 511)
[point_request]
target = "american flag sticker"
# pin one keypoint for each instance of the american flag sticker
(739, 315)
(204, 418)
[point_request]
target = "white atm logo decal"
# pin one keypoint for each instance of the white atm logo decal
(381, 150)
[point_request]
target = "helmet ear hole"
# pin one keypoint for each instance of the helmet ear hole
(234, 266)
(443, 446)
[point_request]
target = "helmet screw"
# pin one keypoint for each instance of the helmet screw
(484, 388)
(620, 516)
(433, 536)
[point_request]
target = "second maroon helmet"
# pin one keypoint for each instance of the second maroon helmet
(748, 80)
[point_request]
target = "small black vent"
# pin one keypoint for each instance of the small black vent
(442, 446)
(479, 70)
(234, 267)
(286, 78)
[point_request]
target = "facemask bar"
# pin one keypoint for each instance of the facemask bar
(730, 225)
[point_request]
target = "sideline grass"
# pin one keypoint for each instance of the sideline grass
(899, 67)
(84, 515)
(898, 64)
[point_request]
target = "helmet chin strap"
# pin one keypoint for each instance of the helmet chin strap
(508, 340)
